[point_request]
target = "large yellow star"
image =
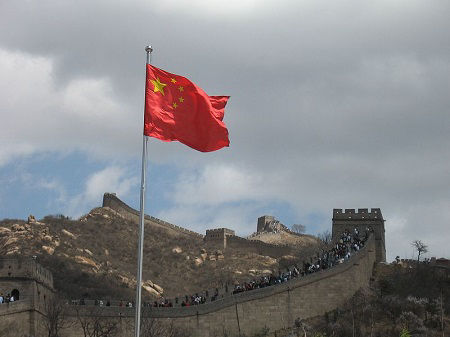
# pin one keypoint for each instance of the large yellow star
(158, 86)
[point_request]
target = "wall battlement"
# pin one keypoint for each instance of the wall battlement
(360, 214)
(219, 231)
(25, 268)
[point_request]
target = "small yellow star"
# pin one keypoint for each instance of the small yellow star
(181, 88)
(173, 80)
(181, 99)
(174, 105)
(158, 86)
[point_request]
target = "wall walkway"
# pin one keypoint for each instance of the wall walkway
(274, 307)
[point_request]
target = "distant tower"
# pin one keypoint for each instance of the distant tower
(218, 236)
(263, 221)
(349, 219)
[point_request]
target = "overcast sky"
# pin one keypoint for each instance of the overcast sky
(334, 104)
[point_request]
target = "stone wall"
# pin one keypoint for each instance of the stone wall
(258, 247)
(275, 307)
(112, 201)
(229, 239)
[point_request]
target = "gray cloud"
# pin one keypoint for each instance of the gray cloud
(333, 104)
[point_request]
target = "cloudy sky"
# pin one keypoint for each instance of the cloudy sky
(334, 104)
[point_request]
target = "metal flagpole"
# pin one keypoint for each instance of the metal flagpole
(137, 321)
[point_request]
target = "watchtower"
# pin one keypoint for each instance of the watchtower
(263, 221)
(31, 285)
(362, 220)
(218, 236)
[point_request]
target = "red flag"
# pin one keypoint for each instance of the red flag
(177, 109)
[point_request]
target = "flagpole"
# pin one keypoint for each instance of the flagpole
(137, 321)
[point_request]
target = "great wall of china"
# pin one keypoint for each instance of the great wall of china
(275, 307)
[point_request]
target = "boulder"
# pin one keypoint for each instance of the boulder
(204, 256)
(86, 261)
(131, 283)
(17, 228)
(47, 238)
(203, 251)
(4, 231)
(220, 257)
(158, 288)
(12, 250)
(150, 290)
(31, 219)
(87, 251)
(69, 234)
(48, 250)
(177, 250)
(10, 241)
(198, 261)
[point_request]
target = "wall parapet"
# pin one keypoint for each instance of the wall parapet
(348, 266)
(112, 201)
(359, 214)
(25, 268)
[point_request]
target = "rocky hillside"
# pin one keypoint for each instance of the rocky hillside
(95, 256)
(285, 238)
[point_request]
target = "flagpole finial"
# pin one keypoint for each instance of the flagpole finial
(149, 50)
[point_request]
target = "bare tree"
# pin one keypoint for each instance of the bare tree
(151, 327)
(94, 325)
(420, 247)
(55, 318)
(299, 229)
(325, 237)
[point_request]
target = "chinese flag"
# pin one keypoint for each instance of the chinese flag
(177, 109)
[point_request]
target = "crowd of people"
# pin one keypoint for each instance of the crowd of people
(341, 250)
(348, 243)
